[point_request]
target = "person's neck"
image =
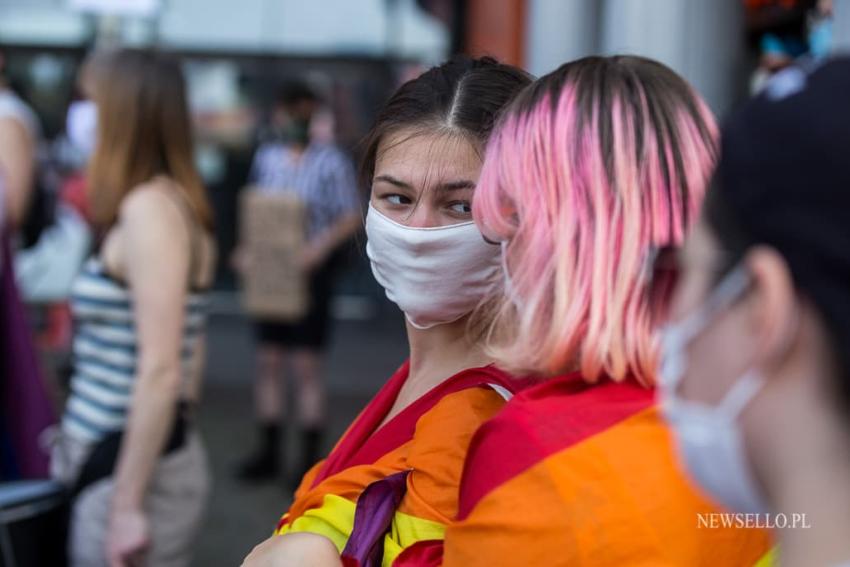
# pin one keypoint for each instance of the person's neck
(440, 352)
(809, 473)
(298, 148)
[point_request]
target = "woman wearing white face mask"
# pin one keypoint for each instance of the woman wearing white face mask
(755, 367)
(392, 480)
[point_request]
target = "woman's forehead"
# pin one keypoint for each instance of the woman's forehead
(417, 155)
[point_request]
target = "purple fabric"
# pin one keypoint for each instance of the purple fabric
(372, 520)
(26, 409)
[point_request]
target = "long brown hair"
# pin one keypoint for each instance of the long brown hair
(143, 131)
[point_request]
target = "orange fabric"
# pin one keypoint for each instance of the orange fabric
(440, 445)
(616, 498)
(435, 456)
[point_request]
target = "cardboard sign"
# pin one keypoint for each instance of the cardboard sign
(272, 228)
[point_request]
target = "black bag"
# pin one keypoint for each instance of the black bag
(33, 524)
(101, 461)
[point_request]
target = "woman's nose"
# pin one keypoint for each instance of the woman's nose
(423, 216)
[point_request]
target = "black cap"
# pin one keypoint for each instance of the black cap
(784, 180)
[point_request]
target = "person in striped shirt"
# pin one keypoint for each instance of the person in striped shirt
(323, 178)
(128, 452)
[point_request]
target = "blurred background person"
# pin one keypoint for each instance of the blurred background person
(591, 167)
(19, 135)
(783, 31)
(26, 409)
(392, 479)
(323, 179)
(756, 376)
(128, 450)
(46, 269)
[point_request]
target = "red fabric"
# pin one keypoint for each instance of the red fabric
(426, 553)
(557, 414)
(74, 193)
(363, 444)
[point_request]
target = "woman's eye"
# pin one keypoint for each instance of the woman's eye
(461, 207)
(397, 199)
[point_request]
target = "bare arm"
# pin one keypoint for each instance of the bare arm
(155, 263)
(17, 162)
(339, 232)
(294, 550)
(341, 195)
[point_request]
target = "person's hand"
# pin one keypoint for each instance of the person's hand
(240, 260)
(294, 550)
(128, 538)
(312, 256)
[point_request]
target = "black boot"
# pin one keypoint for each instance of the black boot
(264, 464)
(311, 452)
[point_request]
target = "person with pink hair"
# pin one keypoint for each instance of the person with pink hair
(591, 169)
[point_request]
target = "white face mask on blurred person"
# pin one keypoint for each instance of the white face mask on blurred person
(81, 126)
(709, 437)
(435, 275)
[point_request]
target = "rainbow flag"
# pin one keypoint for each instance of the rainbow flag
(386, 487)
(579, 474)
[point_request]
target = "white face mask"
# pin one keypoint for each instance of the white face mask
(435, 275)
(709, 437)
(81, 126)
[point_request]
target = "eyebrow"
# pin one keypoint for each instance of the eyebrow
(448, 186)
(392, 181)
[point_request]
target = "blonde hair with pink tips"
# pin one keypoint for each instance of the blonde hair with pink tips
(591, 167)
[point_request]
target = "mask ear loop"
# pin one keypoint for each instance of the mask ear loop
(741, 394)
(679, 335)
(724, 295)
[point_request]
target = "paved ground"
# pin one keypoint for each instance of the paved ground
(362, 356)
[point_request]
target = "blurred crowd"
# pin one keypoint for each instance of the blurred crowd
(626, 320)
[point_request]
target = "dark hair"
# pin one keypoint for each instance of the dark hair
(782, 181)
(463, 96)
(294, 92)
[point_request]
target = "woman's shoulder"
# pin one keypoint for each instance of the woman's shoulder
(573, 402)
(462, 410)
(547, 419)
(470, 398)
(440, 444)
(151, 200)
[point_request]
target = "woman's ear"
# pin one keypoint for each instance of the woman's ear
(772, 310)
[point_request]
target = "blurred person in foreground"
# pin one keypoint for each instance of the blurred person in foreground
(392, 480)
(19, 135)
(25, 409)
(46, 270)
(128, 450)
(755, 367)
(323, 178)
(589, 170)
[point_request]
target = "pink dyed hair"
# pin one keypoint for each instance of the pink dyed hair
(591, 167)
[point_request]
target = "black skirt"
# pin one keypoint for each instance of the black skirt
(311, 331)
